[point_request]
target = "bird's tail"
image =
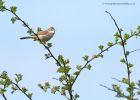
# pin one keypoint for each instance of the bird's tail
(28, 37)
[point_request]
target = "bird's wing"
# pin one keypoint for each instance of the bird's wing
(42, 33)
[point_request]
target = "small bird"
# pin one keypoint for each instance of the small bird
(44, 36)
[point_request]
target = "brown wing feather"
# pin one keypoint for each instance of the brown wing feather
(42, 32)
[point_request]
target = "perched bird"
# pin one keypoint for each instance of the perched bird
(44, 36)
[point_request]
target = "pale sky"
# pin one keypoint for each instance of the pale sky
(82, 25)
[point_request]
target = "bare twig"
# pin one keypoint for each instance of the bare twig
(117, 80)
(59, 81)
(134, 51)
(107, 88)
(3, 95)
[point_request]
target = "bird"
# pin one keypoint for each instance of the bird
(44, 36)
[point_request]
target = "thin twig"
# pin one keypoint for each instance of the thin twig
(59, 81)
(117, 80)
(22, 91)
(67, 80)
(3, 95)
(124, 52)
(134, 50)
(123, 45)
(107, 88)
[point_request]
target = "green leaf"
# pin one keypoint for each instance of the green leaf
(4, 74)
(13, 9)
(117, 36)
(130, 65)
(30, 31)
(47, 84)
(25, 24)
(63, 69)
(48, 55)
(13, 20)
(138, 92)
(1, 2)
(138, 83)
(117, 89)
(24, 89)
(18, 78)
(110, 44)
(126, 81)
(86, 58)
(49, 45)
(101, 47)
(100, 55)
(14, 88)
(132, 84)
(76, 73)
(2, 9)
(122, 60)
(126, 36)
(78, 67)
(39, 29)
(45, 87)
(138, 28)
(66, 61)
(121, 29)
(63, 92)
(71, 79)
(129, 89)
(54, 89)
(88, 67)
(60, 59)
(94, 56)
(127, 53)
(2, 91)
(30, 95)
(76, 96)
(62, 78)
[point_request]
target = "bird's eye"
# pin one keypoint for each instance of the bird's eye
(52, 28)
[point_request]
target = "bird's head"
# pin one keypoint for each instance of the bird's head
(51, 29)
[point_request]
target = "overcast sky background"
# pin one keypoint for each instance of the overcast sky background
(82, 25)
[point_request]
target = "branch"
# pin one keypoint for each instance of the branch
(123, 45)
(122, 82)
(3, 95)
(91, 60)
(22, 90)
(34, 34)
(107, 88)
(124, 52)
(59, 81)
(106, 49)
(67, 81)
(134, 51)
